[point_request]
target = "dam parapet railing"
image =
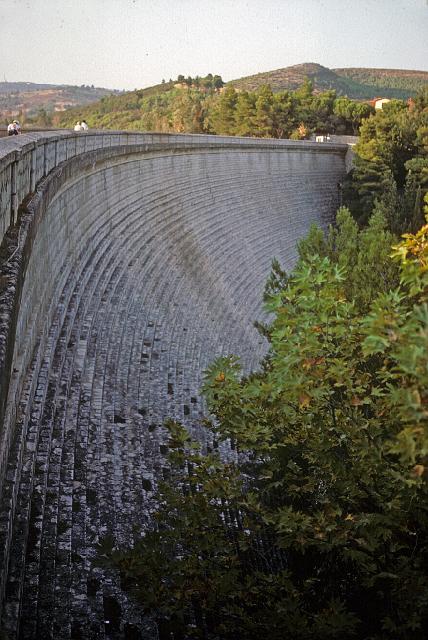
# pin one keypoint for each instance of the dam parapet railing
(26, 159)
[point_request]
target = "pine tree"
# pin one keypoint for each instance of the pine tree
(245, 114)
(223, 119)
(264, 115)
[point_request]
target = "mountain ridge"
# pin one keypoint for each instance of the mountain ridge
(361, 83)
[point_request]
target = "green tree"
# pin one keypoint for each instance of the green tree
(415, 189)
(321, 108)
(391, 166)
(264, 116)
(283, 114)
(305, 92)
(352, 112)
(223, 118)
(304, 99)
(245, 114)
(218, 82)
(363, 254)
(317, 528)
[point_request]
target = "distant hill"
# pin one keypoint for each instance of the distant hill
(28, 98)
(13, 87)
(357, 83)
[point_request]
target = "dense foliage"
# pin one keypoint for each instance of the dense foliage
(196, 105)
(391, 165)
(316, 525)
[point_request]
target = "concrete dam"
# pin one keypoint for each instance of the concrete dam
(128, 263)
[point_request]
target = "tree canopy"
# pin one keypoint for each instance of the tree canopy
(391, 165)
(224, 110)
(316, 526)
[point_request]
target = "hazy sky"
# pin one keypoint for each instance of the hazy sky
(135, 43)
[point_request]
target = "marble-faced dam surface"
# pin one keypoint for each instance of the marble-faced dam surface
(128, 263)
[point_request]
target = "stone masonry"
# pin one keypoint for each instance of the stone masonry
(129, 262)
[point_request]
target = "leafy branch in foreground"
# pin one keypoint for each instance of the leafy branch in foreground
(317, 524)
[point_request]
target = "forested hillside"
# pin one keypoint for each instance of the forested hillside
(358, 83)
(406, 81)
(292, 102)
(202, 105)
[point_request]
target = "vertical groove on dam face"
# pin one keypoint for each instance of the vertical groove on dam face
(141, 272)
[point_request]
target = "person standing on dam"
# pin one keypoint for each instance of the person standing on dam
(13, 129)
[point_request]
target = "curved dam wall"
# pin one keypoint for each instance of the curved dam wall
(129, 262)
